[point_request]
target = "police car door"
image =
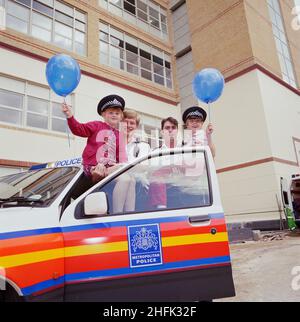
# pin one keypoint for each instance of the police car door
(172, 245)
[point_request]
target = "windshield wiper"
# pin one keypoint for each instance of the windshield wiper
(20, 200)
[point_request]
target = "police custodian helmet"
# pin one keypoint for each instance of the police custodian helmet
(111, 101)
(194, 112)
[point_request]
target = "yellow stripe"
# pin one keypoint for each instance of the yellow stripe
(42, 256)
(96, 249)
(194, 239)
(31, 258)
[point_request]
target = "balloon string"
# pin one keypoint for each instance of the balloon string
(67, 127)
(209, 114)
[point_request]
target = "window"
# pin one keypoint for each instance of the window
(50, 21)
(11, 107)
(166, 182)
(31, 106)
(143, 13)
(121, 51)
(283, 50)
(47, 183)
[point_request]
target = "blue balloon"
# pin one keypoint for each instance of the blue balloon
(63, 74)
(208, 85)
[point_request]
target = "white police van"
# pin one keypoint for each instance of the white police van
(61, 238)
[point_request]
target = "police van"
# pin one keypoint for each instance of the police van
(62, 240)
(290, 192)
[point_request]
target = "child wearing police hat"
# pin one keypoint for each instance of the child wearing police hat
(193, 119)
(105, 147)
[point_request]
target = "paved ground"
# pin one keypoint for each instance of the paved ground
(262, 270)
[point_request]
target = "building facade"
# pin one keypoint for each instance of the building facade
(148, 52)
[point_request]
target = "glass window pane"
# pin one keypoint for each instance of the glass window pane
(41, 33)
(49, 3)
(80, 16)
(25, 2)
(173, 183)
(63, 42)
(163, 19)
(41, 21)
(80, 25)
(154, 23)
(104, 47)
(158, 69)
(159, 80)
(38, 121)
(145, 54)
(141, 5)
(132, 48)
(104, 36)
(132, 69)
(80, 49)
(116, 52)
(116, 42)
(145, 63)
(63, 30)
(64, 18)
(64, 8)
(146, 74)
(10, 116)
(37, 105)
(142, 15)
(168, 73)
(103, 58)
(79, 37)
(158, 60)
(129, 7)
(17, 24)
(18, 11)
(169, 83)
(56, 110)
(153, 13)
(116, 2)
(59, 125)
(11, 99)
(132, 58)
(117, 63)
(42, 8)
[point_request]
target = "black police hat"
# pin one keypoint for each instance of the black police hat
(111, 101)
(194, 112)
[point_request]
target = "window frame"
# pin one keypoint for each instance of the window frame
(24, 109)
(76, 17)
(154, 154)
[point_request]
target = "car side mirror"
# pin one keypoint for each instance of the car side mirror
(95, 204)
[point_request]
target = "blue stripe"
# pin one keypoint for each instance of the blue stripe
(26, 233)
(125, 271)
(38, 166)
(53, 230)
(42, 286)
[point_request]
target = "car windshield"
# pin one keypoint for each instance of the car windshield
(38, 187)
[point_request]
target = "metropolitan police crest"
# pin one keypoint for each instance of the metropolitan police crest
(144, 243)
(144, 239)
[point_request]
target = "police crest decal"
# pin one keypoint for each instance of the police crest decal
(144, 245)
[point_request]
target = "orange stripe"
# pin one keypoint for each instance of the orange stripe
(190, 252)
(86, 237)
(185, 228)
(30, 274)
(31, 244)
(97, 262)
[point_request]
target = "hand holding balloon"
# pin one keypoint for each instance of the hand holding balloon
(66, 110)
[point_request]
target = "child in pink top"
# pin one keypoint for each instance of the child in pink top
(105, 147)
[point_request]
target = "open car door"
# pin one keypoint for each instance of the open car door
(287, 204)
